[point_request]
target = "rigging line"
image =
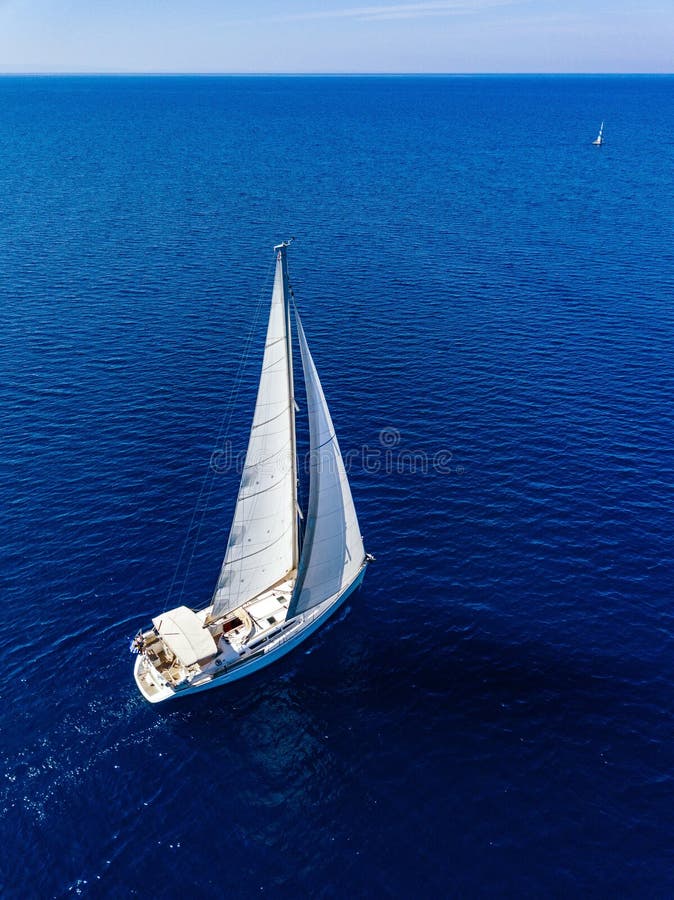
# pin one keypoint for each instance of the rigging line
(225, 423)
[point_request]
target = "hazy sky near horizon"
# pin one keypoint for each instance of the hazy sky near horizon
(336, 36)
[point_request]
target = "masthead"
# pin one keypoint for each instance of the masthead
(284, 244)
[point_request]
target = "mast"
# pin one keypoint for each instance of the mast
(283, 257)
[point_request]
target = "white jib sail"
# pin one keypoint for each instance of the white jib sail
(261, 546)
(333, 549)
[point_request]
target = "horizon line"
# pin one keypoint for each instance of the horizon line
(158, 73)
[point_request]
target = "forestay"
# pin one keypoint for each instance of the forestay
(261, 546)
(333, 550)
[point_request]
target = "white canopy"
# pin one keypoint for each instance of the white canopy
(184, 634)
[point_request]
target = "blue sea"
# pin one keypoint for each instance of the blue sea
(489, 300)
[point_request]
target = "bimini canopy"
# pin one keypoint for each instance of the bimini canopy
(184, 634)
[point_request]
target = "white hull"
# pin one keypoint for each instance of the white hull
(294, 633)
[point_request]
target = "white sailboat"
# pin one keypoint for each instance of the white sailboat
(599, 140)
(276, 586)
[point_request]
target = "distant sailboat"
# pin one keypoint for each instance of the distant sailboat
(270, 595)
(599, 140)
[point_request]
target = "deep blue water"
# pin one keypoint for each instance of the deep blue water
(492, 714)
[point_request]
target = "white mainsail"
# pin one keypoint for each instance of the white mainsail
(333, 550)
(600, 137)
(262, 545)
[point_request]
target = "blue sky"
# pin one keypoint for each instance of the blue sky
(336, 36)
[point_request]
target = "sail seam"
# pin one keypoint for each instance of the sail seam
(329, 441)
(267, 458)
(273, 418)
(240, 559)
(271, 365)
(264, 490)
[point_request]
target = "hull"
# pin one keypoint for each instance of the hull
(278, 647)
